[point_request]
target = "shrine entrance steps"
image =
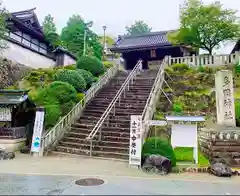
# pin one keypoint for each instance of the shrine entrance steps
(115, 136)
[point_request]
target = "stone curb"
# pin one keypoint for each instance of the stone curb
(200, 170)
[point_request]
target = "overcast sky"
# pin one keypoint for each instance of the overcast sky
(158, 14)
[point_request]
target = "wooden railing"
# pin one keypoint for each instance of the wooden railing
(206, 60)
(53, 136)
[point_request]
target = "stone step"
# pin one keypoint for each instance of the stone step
(135, 86)
(117, 113)
(126, 99)
(84, 123)
(127, 92)
(115, 138)
(101, 143)
(117, 106)
(86, 129)
(96, 118)
(124, 104)
(117, 110)
(83, 133)
(76, 151)
(74, 133)
(96, 147)
(144, 82)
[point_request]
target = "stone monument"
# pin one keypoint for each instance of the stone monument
(225, 98)
(221, 142)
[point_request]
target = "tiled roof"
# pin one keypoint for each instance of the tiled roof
(154, 39)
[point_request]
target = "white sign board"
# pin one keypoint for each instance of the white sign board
(37, 132)
(157, 122)
(185, 136)
(225, 98)
(135, 148)
(5, 114)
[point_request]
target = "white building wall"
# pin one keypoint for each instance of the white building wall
(26, 57)
(68, 60)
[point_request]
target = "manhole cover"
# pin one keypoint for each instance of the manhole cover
(89, 182)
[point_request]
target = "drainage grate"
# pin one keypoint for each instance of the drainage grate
(89, 182)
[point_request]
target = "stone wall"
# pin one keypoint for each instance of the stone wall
(11, 72)
(22, 55)
(221, 146)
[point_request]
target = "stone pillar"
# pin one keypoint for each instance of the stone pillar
(225, 98)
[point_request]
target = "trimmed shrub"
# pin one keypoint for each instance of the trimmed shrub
(87, 76)
(35, 77)
(72, 77)
(52, 115)
(180, 67)
(108, 64)
(91, 64)
(58, 98)
(70, 67)
(158, 146)
(237, 68)
(177, 108)
(237, 112)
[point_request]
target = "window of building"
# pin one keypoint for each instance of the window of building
(26, 42)
(44, 51)
(43, 45)
(26, 36)
(15, 37)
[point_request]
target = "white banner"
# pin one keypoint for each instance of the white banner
(135, 148)
(5, 114)
(37, 131)
(157, 122)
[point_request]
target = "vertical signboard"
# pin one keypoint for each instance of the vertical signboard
(37, 130)
(5, 114)
(135, 148)
(225, 98)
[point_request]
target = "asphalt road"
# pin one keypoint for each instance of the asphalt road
(11, 184)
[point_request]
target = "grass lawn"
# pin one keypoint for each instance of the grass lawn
(185, 154)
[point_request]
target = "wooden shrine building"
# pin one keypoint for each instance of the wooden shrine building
(17, 114)
(149, 47)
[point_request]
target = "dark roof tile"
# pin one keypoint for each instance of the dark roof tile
(153, 39)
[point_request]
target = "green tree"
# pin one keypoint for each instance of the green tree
(205, 26)
(139, 27)
(50, 30)
(3, 30)
(72, 37)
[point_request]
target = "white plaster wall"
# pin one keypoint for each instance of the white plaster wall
(26, 57)
(68, 60)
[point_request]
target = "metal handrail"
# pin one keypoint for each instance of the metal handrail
(61, 127)
(104, 116)
(150, 106)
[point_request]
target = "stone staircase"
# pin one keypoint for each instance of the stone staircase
(115, 137)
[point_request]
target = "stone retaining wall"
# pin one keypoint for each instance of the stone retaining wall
(221, 146)
(11, 72)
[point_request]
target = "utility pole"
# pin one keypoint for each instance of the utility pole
(87, 25)
(84, 42)
(104, 40)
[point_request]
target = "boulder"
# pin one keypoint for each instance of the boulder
(156, 163)
(4, 155)
(220, 170)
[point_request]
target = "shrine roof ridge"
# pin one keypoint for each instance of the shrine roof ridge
(6, 91)
(145, 40)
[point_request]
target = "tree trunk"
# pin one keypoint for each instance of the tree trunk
(210, 50)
